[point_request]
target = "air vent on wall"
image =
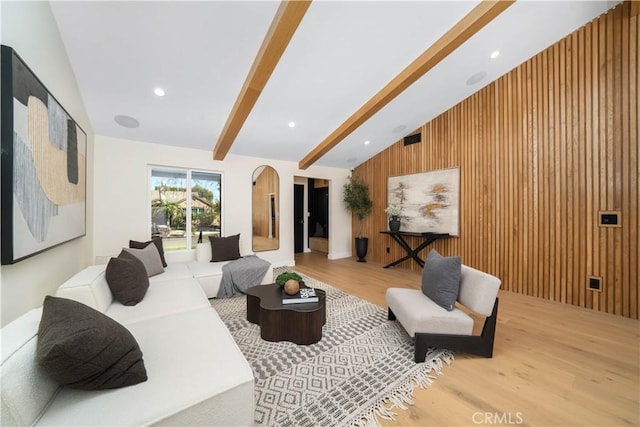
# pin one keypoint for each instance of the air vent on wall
(412, 139)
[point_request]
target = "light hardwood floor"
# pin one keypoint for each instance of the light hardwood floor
(553, 364)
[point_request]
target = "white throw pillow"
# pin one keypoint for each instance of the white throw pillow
(203, 252)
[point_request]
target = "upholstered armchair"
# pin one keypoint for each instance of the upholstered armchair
(431, 315)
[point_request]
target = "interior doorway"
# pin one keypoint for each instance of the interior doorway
(298, 218)
(318, 227)
(311, 215)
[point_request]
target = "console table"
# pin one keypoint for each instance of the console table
(398, 236)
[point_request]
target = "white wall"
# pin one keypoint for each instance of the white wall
(117, 195)
(122, 195)
(29, 28)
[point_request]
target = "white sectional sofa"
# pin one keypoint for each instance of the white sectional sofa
(209, 274)
(196, 372)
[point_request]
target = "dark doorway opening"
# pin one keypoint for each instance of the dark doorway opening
(298, 218)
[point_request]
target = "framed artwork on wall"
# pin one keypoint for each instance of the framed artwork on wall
(429, 200)
(43, 190)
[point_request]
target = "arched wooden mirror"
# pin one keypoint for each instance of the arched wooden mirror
(266, 209)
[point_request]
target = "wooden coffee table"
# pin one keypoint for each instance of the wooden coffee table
(298, 323)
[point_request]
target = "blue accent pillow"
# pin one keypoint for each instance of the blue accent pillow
(441, 279)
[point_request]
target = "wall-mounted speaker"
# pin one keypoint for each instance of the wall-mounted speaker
(412, 139)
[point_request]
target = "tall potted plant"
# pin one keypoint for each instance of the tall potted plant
(358, 202)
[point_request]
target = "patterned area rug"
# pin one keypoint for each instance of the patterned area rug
(361, 370)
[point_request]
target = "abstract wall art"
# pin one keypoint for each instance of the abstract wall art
(429, 200)
(43, 189)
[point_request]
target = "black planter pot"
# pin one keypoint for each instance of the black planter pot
(362, 244)
(394, 223)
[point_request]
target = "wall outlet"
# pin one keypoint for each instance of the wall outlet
(610, 219)
(594, 283)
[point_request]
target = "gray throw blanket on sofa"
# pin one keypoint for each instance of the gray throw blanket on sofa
(241, 274)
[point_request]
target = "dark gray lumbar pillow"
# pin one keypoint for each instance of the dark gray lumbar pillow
(156, 241)
(127, 278)
(149, 256)
(82, 348)
(441, 279)
(225, 248)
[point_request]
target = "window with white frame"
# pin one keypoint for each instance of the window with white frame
(185, 206)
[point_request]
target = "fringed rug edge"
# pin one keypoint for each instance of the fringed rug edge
(401, 396)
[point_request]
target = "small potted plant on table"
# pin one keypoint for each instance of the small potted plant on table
(394, 212)
(290, 281)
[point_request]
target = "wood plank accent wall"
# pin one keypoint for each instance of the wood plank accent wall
(541, 151)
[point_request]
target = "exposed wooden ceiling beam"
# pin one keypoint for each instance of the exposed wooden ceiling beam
(284, 25)
(473, 22)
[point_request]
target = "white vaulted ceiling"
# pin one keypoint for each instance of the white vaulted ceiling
(341, 55)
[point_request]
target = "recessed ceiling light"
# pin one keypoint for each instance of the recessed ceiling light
(476, 78)
(126, 121)
(494, 54)
(367, 142)
(292, 124)
(159, 91)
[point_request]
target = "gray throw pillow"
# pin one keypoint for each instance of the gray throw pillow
(156, 241)
(225, 248)
(149, 257)
(127, 278)
(441, 279)
(82, 348)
